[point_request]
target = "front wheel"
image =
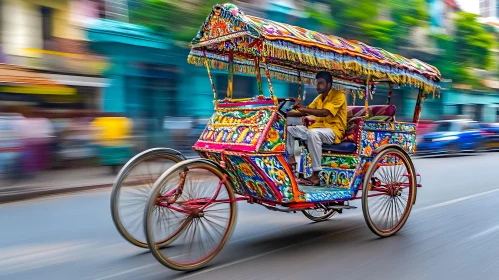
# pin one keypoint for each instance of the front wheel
(132, 187)
(193, 203)
(388, 192)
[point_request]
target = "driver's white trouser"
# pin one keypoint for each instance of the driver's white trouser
(315, 137)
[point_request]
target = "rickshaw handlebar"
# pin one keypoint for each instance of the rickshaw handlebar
(284, 101)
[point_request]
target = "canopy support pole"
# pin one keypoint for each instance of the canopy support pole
(267, 73)
(366, 102)
(419, 106)
(231, 74)
(389, 98)
(209, 75)
(300, 86)
(258, 75)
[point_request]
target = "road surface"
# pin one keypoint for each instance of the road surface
(452, 233)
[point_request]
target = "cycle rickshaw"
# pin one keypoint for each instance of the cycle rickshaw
(185, 211)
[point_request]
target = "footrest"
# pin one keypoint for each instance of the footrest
(320, 194)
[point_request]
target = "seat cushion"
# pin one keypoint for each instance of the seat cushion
(353, 127)
(343, 147)
(374, 111)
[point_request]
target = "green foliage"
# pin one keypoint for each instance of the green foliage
(322, 18)
(384, 23)
(179, 22)
(474, 42)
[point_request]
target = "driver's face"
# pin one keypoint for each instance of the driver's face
(322, 86)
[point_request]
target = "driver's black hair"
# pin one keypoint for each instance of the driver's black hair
(324, 75)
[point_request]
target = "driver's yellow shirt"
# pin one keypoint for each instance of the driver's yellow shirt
(336, 103)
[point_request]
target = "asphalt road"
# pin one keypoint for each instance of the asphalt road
(452, 233)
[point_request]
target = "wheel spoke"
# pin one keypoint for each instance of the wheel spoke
(385, 212)
(198, 239)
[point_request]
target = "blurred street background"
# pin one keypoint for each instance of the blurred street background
(87, 84)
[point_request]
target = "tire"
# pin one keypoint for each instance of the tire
(195, 215)
(480, 147)
(453, 149)
(319, 215)
(391, 183)
(133, 231)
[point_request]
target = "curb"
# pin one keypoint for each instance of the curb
(48, 192)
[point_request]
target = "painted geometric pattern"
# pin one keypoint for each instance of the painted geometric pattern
(343, 162)
(275, 141)
(238, 187)
(227, 22)
(254, 183)
(334, 177)
(305, 163)
(243, 126)
(275, 172)
(318, 194)
(359, 173)
(371, 140)
(385, 126)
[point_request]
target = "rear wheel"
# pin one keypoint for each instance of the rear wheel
(480, 147)
(194, 203)
(131, 191)
(453, 149)
(388, 192)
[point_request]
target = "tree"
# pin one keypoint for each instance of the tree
(474, 42)
(382, 23)
(179, 21)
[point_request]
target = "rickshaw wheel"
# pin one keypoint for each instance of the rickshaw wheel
(388, 191)
(319, 215)
(195, 199)
(131, 190)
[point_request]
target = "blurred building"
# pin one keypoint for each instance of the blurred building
(45, 37)
(488, 8)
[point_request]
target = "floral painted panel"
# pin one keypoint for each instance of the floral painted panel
(343, 162)
(371, 140)
(276, 137)
(236, 180)
(319, 194)
(305, 167)
(275, 171)
(389, 126)
(237, 127)
(337, 178)
(254, 183)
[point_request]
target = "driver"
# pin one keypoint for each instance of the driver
(330, 111)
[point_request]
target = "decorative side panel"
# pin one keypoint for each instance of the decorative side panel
(254, 182)
(390, 126)
(359, 174)
(242, 127)
(276, 138)
(319, 194)
(276, 172)
(236, 180)
(343, 162)
(371, 140)
(337, 178)
(305, 163)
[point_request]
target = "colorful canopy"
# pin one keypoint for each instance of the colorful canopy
(296, 54)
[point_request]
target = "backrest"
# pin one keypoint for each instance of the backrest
(376, 112)
(250, 125)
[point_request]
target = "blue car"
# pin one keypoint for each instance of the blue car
(491, 136)
(452, 137)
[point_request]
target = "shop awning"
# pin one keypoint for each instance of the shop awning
(16, 79)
